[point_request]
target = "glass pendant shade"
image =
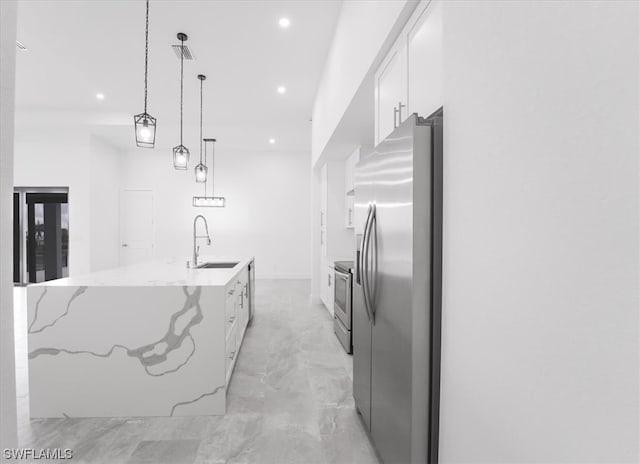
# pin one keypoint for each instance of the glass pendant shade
(180, 157)
(201, 176)
(216, 202)
(201, 172)
(145, 125)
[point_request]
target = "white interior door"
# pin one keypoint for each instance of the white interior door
(136, 226)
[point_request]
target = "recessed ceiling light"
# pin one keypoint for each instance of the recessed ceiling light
(272, 141)
(282, 89)
(284, 23)
(100, 96)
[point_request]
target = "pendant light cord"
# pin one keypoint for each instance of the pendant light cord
(146, 56)
(181, 83)
(201, 80)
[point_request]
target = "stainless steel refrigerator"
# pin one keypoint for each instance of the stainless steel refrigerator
(397, 291)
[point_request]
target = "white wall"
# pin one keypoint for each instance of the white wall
(268, 197)
(8, 420)
(60, 157)
(361, 32)
(540, 312)
(105, 215)
(69, 156)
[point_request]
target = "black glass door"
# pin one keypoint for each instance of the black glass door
(47, 236)
(17, 235)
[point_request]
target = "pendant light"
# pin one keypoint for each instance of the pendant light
(144, 123)
(205, 200)
(201, 169)
(180, 152)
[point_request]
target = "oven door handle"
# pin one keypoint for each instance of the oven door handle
(342, 274)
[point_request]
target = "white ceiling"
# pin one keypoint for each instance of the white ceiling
(78, 48)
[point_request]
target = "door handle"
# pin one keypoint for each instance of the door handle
(350, 213)
(363, 259)
(360, 253)
(372, 247)
(396, 111)
(125, 245)
(365, 279)
(400, 106)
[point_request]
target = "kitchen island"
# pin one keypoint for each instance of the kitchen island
(153, 339)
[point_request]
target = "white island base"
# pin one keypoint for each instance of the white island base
(148, 340)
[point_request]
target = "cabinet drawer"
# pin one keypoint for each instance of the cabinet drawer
(232, 348)
(230, 290)
(240, 281)
(230, 313)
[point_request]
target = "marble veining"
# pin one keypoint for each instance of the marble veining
(91, 349)
(183, 403)
(148, 355)
(75, 295)
(289, 401)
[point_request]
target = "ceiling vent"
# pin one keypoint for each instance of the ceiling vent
(185, 50)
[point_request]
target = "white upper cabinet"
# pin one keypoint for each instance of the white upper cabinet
(324, 185)
(389, 92)
(349, 211)
(349, 170)
(424, 60)
(410, 78)
(349, 175)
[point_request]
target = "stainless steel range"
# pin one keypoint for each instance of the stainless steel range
(342, 302)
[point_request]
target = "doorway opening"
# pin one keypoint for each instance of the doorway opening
(40, 234)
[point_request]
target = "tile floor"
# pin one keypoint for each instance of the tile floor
(290, 400)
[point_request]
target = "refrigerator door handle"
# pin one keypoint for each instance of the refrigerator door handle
(362, 264)
(366, 260)
(368, 286)
(373, 239)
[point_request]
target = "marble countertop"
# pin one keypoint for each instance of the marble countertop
(158, 273)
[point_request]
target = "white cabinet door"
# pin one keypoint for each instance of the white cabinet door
(424, 59)
(348, 175)
(389, 93)
(349, 170)
(410, 78)
(330, 289)
(324, 179)
(324, 288)
(349, 211)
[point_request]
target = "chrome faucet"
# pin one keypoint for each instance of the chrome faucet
(196, 248)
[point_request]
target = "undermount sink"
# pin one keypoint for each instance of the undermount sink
(217, 265)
